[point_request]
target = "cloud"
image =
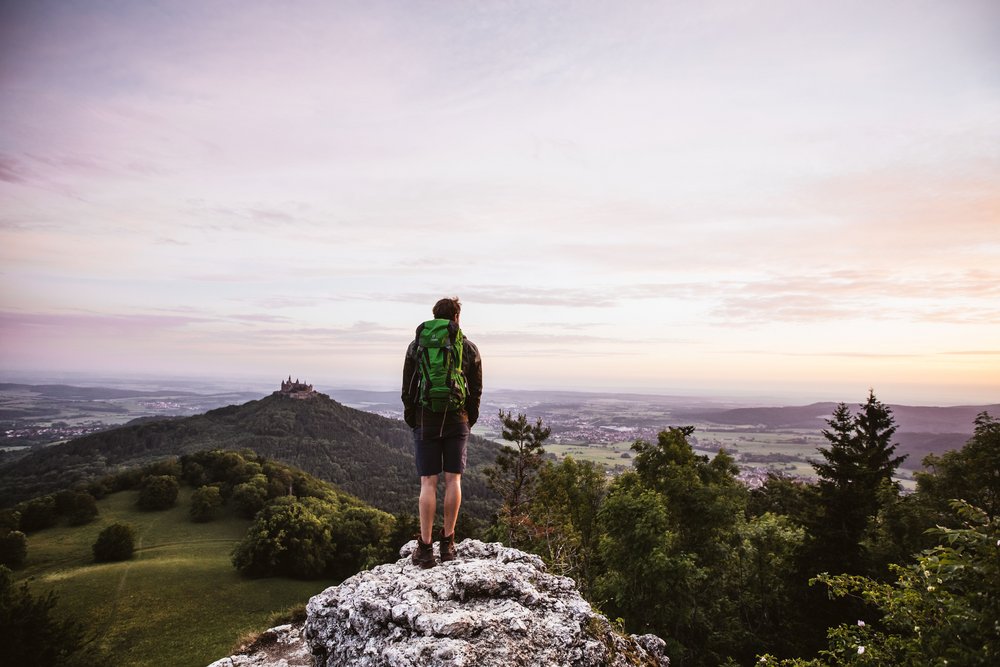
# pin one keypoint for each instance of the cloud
(12, 170)
(95, 323)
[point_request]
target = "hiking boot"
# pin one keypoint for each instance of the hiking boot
(423, 555)
(447, 545)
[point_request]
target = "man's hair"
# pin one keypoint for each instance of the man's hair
(447, 309)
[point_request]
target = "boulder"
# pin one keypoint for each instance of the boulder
(493, 606)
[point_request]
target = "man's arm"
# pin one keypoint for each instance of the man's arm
(473, 364)
(408, 393)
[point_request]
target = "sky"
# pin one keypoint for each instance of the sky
(702, 198)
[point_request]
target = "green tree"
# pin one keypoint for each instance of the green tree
(765, 593)
(37, 514)
(564, 519)
(943, 609)
(13, 549)
(360, 536)
(704, 498)
(158, 492)
(250, 497)
(649, 582)
(971, 473)
(289, 537)
(514, 474)
(205, 504)
(33, 635)
(115, 543)
(83, 510)
(854, 478)
(670, 530)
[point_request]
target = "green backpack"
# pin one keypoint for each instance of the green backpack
(439, 358)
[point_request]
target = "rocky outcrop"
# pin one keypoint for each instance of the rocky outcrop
(282, 646)
(493, 606)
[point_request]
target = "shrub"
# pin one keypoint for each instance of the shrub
(288, 538)
(13, 549)
(250, 498)
(37, 514)
(116, 542)
(205, 503)
(158, 492)
(84, 511)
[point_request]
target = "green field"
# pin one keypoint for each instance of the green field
(179, 601)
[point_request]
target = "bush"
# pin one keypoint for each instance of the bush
(250, 498)
(38, 514)
(288, 538)
(13, 549)
(116, 542)
(158, 492)
(205, 503)
(84, 511)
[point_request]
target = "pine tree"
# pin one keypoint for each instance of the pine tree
(858, 463)
(516, 469)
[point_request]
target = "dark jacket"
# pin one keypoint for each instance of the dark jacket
(415, 415)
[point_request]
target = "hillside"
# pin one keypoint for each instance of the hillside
(180, 578)
(362, 453)
(922, 430)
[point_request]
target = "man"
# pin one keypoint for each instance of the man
(441, 435)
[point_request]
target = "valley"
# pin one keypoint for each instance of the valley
(599, 427)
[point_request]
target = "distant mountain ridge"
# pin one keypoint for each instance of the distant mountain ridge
(75, 393)
(909, 418)
(920, 430)
(362, 453)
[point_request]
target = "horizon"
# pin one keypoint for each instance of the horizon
(696, 198)
(252, 384)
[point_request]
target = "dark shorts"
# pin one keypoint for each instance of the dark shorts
(445, 451)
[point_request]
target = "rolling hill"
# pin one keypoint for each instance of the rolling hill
(362, 453)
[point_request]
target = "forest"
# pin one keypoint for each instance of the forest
(848, 570)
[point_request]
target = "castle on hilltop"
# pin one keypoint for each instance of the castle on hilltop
(296, 389)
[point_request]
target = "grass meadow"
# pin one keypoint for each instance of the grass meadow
(179, 601)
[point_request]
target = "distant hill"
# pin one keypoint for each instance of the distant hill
(362, 453)
(68, 392)
(921, 430)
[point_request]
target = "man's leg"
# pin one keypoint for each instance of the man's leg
(428, 506)
(452, 501)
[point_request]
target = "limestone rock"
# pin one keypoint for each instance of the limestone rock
(282, 646)
(493, 606)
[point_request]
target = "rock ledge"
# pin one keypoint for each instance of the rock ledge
(492, 607)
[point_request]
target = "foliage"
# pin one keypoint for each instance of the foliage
(115, 543)
(79, 507)
(513, 476)
(853, 482)
(32, 635)
(563, 519)
(37, 514)
(13, 549)
(205, 504)
(288, 538)
(669, 532)
(250, 497)
(308, 538)
(158, 492)
(971, 473)
(943, 609)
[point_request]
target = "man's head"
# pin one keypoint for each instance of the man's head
(447, 309)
